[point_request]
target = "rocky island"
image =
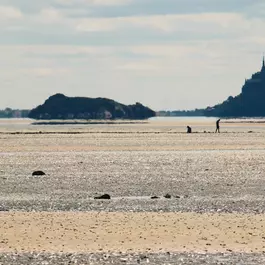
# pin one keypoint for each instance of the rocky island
(250, 103)
(60, 106)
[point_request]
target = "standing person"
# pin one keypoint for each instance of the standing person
(217, 126)
(189, 129)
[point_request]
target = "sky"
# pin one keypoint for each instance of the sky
(166, 54)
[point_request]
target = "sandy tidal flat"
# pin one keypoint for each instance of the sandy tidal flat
(94, 232)
(215, 214)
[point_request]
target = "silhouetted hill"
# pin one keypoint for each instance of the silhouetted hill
(250, 103)
(61, 107)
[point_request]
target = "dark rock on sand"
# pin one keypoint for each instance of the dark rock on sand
(38, 173)
(167, 196)
(103, 197)
(154, 197)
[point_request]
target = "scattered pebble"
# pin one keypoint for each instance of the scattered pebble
(132, 259)
(38, 173)
(103, 197)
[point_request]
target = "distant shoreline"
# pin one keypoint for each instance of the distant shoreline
(242, 121)
(87, 122)
(250, 120)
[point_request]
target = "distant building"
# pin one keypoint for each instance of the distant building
(250, 103)
(256, 83)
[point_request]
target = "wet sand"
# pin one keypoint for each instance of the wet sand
(216, 182)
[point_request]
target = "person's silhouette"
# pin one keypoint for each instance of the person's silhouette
(217, 126)
(188, 129)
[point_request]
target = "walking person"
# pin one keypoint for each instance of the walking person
(217, 126)
(189, 129)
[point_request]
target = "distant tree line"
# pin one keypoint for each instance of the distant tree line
(13, 113)
(181, 113)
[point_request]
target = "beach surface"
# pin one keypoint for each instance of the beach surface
(215, 213)
(94, 232)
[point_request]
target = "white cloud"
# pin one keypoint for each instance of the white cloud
(117, 23)
(94, 48)
(10, 12)
(51, 14)
(167, 23)
(109, 2)
(140, 65)
(54, 51)
(165, 50)
(95, 2)
(45, 72)
(97, 24)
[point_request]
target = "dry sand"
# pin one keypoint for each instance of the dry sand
(131, 232)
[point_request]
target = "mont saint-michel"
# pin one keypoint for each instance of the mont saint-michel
(250, 103)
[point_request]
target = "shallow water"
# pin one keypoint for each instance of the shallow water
(199, 124)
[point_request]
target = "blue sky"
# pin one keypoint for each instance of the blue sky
(167, 54)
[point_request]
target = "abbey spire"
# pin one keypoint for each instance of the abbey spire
(263, 64)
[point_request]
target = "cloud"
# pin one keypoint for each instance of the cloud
(61, 51)
(46, 72)
(205, 22)
(97, 24)
(10, 13)
(166, 50)
(95, 2)
(140, 65)
(118, 8)
(129, 50)
(50, 15)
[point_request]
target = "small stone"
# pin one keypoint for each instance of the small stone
(154, 197)
(167, 196)
(38, 173)
(103, 197)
